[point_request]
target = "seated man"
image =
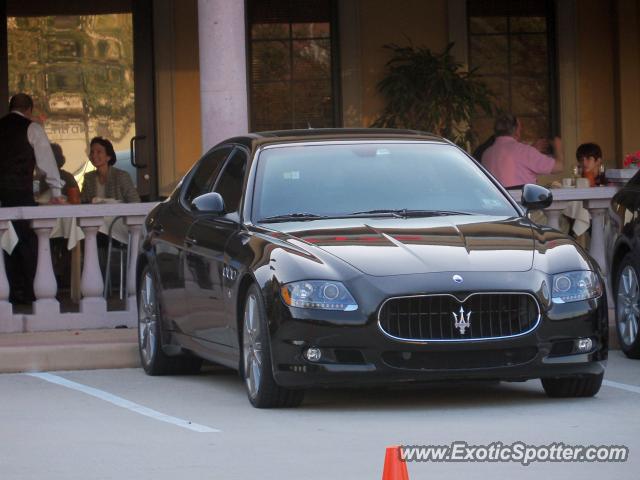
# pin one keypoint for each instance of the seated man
(515, 163)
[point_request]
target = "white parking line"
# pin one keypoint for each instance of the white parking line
(621, 386)
(124, 403)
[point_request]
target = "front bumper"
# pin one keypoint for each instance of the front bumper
(362, 355)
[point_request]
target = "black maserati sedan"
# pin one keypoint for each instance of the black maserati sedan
(363, 257)
(623, 261)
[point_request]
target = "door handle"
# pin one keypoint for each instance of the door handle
(132, 151)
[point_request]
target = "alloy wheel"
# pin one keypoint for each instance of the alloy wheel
(252, 346)
(628, 311)
(147, 319)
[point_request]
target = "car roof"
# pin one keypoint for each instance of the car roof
(258, 139)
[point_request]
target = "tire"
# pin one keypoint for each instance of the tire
(627, 296)
(578, 386)
(256, 366)
(153, 359)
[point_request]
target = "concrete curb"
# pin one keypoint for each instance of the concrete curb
(68, 350)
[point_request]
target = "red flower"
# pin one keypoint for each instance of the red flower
(632, 160)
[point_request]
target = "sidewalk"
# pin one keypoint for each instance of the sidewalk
(69, 350)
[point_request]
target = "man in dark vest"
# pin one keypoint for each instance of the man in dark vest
(23, 146)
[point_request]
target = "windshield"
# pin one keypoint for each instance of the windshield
(352, 178)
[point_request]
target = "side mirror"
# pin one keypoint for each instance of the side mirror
(209, 203)
(535, 197)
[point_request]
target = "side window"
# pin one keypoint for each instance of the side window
(229, 184)
(202, 179)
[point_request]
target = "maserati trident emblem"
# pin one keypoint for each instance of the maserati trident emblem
(461, 323)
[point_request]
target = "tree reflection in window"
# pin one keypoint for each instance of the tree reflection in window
(79, 70)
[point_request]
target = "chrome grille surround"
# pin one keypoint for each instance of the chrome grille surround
(532, 324)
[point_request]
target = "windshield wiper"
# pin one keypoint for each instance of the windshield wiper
(289, 216)
(405, 213)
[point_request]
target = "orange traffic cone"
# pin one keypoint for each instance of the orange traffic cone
(394, 467)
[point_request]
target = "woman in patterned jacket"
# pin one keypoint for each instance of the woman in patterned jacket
(106, 181)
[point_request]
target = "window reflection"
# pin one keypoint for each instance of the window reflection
(79, 70)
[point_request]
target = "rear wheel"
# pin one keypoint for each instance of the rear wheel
(578, 386)
(628, 306)
(262, 390)
(153, 359)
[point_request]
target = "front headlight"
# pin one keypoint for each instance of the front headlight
(575, 286)
(319, 294)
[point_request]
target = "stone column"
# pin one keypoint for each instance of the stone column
(135, 229)
(223, 72)
(553, 214)
(45, 286)
(7, 322)
(598, 209)
(91, 283)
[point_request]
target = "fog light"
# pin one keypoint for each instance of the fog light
(313, 354)
(584, 345)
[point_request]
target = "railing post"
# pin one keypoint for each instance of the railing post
(45, 286)
(598, 209)
(135, 228)
(553, 217)
(91, 283)
(6, 311)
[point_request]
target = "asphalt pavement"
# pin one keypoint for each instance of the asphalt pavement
(122, 424)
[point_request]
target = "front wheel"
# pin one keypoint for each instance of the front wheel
(628, 306)
(578, 386)
(262, 390)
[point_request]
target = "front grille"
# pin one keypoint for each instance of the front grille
(433, 317)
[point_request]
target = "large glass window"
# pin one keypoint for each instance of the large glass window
(291, 64)
(79, 71)
(511, 43)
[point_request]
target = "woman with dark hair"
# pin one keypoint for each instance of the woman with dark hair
(107, 181)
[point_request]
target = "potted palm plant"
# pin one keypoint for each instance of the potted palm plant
(431, 92)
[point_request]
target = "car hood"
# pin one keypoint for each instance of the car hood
(397, 246)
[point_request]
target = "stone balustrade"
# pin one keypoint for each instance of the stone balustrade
(596, 200)
(93, 314)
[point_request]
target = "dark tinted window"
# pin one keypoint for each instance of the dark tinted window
(202, 179)
(512, 44)
(291, 65)
(230, 183)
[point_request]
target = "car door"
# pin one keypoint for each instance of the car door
(205, 253)
(176, 275)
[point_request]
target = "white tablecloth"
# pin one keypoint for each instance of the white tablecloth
(68, 228)
(580, 215)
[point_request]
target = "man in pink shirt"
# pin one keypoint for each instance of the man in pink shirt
(515, 163)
